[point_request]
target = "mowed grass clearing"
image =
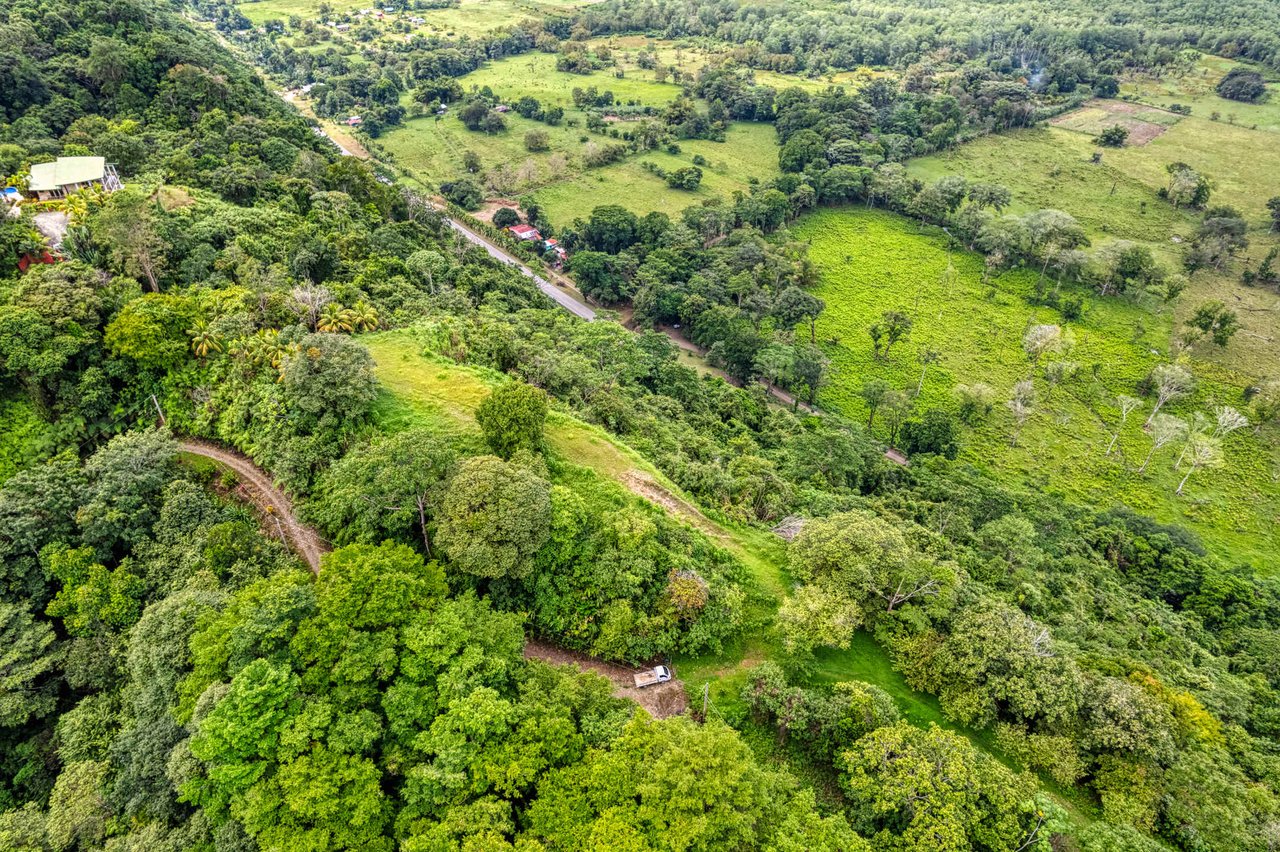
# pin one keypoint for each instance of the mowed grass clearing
(870, 262)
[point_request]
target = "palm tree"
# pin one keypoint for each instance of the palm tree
(263, 348)
(335, 318)
(365, 317)
(203, 340)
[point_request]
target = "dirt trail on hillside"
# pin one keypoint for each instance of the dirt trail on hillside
(661, 700)
(644, 485)
(270, 501)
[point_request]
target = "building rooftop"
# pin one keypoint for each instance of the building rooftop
(65, 171)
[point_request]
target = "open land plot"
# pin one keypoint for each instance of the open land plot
(535, 75)
(1143, 123)
(470, 17)
(749, 151)
(424, 390)
(690, 55)
(1195, 89)
(431, 149)
(870, 262)
(1116, 199)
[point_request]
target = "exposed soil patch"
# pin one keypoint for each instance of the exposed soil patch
(661, 700)
(493, 205)
(1143, 122)
(645, 486)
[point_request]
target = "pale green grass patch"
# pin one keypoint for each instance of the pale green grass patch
(871, 262)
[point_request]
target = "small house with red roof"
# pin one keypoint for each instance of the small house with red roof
(525, 232)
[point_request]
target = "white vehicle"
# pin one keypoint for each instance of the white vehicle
(658, 674)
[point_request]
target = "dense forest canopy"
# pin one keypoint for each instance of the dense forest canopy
(1026, 35)
(910, 656)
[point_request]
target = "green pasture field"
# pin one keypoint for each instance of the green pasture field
(535, 74)
(870, 262)
(749, 151)
(690, 55)
(1196, 89)
(471, 17)
(431, 149)
(1116, 199)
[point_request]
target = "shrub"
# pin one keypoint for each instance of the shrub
(537, 140)
(505, 217)
(1112, 137)
(464, 192)
(1242, 84)
(935, 432)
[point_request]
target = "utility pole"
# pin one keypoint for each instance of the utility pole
(156, 402)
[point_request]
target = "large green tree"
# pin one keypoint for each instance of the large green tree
(511, 418)
(918, 790)
(496, 516)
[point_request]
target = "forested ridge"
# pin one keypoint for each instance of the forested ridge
(173, 678)
(819, 35)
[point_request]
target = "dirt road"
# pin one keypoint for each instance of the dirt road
(662, 700)
(270, 501)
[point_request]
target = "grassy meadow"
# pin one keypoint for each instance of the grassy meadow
(1116, 199)
(749, 151)
(1196, 89)
(470, 17)
(871, 262)
(431, 149)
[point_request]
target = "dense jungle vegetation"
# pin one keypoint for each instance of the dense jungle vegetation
(172, 677)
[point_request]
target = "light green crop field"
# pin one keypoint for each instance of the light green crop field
(871, 262)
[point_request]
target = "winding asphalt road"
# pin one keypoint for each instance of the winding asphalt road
(556, 295)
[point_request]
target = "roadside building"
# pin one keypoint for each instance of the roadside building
(552, 246)
(525, 232)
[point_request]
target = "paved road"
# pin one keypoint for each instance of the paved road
(557, 295)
